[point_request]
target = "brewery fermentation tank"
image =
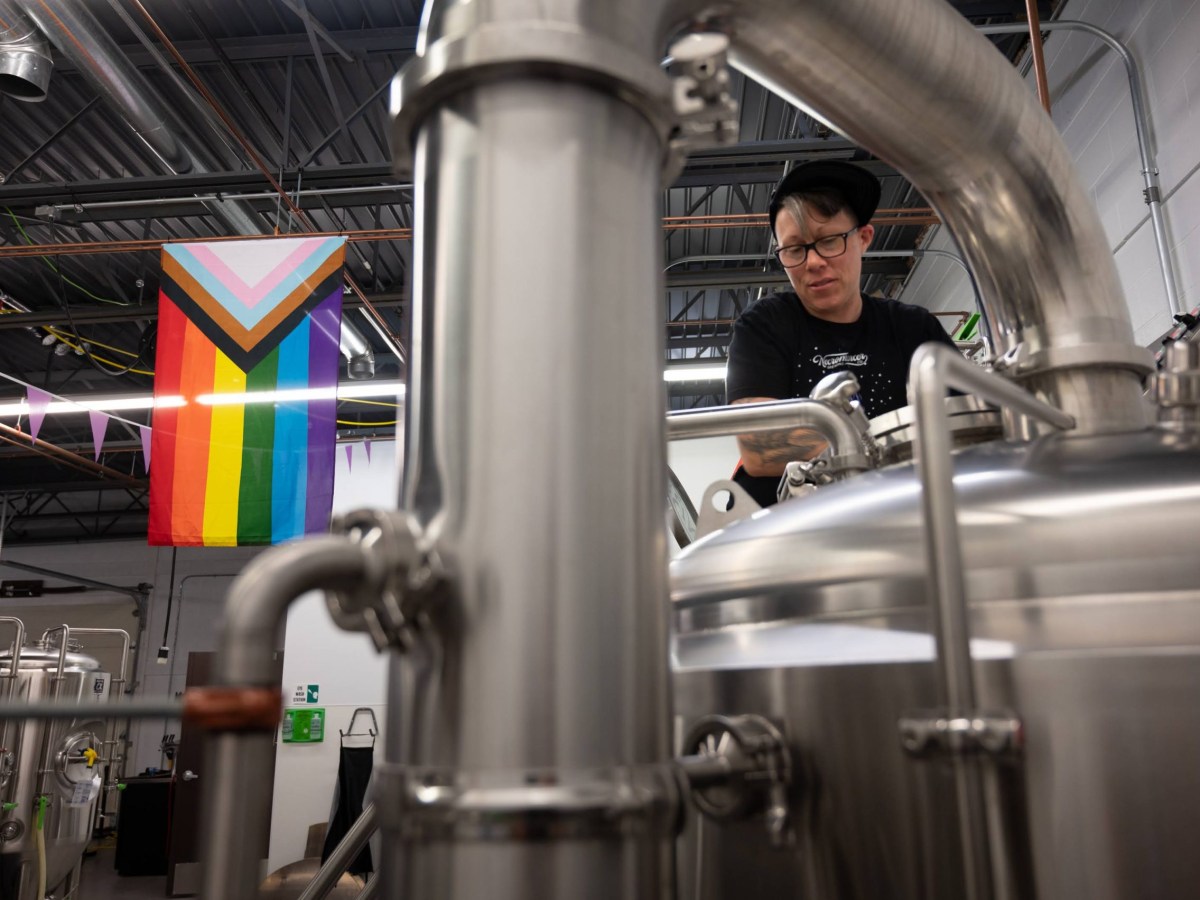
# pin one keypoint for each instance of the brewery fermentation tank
(50, 770)
(1084, 596)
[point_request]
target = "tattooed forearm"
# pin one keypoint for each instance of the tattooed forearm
(766, 453)
(775, 449)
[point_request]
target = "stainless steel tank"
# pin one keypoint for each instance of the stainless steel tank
(50, 776)
(1083, 583)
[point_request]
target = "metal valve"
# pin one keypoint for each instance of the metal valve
(739, 766)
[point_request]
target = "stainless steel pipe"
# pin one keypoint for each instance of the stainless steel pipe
(747, 417)
(258, 602)
(17, 645)
(987, 158)
(936, 368)
(553, 679)
(343, 854)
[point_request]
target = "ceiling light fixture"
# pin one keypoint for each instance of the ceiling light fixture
(146, 401)
(695, 373)
(357, 390)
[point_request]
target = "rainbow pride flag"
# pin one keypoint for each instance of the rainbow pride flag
(237, 319)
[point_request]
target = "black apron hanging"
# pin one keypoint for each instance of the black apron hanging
(354, 773)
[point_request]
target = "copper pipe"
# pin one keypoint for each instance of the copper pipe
(51, 451)
(673, 223)
(89, 247)
(1035, 47)
(261, 165)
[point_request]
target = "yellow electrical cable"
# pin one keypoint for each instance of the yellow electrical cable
(368, 402)
(365, 424)
(59, 335)
(110, 362)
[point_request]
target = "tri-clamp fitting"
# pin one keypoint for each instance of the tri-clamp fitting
(392, 610)
(738, 766)
(1175, 388)
(691, 109)
(838, 390)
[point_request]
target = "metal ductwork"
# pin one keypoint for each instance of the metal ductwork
(79, 36)
(25, 63)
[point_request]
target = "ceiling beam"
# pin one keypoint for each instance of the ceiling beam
(744, 163)
(269, 48)
(730, 278)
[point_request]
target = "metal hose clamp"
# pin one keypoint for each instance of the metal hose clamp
(523, 49)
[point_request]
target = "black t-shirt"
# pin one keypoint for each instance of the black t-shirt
(780, 350)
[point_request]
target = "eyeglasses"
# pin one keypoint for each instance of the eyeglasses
(827, 248)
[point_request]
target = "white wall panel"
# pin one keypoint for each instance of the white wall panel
(1092, 108)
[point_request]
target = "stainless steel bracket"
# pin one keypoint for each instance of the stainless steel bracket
(703, 100)
(424, 804)
(737, 767)
(940, 734)
(740, 505)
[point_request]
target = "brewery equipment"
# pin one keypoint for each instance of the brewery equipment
(50, 770)
(972, 677)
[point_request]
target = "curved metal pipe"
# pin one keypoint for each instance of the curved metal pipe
(987, 158)
(25, 63)
(343, 854)
(1141, 126)
(17, 644)
(843, 437)
(258, 601)
(935, 369)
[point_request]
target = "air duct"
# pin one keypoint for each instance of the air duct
(80, 37)
(25, 63)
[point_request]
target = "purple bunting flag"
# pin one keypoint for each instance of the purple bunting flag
(99, 422)
(38, 400)
(146, 442)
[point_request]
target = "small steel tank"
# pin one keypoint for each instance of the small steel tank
(50, 771)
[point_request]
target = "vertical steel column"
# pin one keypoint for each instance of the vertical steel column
(534, 462)
(237, 799)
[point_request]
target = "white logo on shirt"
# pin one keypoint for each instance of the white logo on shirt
(834, 360)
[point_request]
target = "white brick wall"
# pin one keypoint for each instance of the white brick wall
(1092, 108)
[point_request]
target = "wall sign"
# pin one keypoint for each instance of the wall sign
(306, 693)
(304, 726)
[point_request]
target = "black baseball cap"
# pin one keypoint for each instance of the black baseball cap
(859, 187)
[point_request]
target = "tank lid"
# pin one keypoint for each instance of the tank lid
(33, 657)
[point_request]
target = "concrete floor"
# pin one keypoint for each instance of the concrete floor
(99, 881)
